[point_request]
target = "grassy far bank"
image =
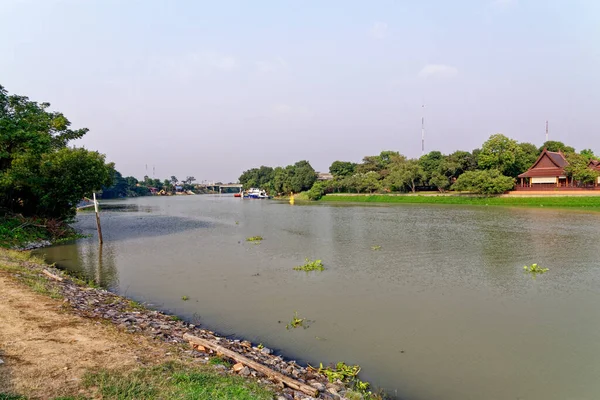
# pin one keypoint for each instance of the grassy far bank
(589, 203)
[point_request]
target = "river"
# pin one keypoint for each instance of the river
(443, 310)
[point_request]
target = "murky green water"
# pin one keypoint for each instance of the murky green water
(442, 311)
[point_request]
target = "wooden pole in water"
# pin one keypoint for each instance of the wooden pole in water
(98, 220)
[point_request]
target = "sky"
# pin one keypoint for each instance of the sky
(212, 88)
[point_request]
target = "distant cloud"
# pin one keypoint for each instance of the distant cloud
(438, 71)
(379, 30)
(502, 5)
(271, 66)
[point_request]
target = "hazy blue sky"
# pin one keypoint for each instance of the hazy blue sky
(210, 88)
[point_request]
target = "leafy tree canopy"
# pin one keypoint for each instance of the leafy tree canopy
(39, 174)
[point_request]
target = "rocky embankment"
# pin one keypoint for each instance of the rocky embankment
(135, 318)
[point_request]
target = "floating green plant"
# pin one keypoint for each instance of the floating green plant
(185, 298)
(535, 269)
(347, 374)
(254, 239)
(316, 265)
(375, 248)
(295, 322)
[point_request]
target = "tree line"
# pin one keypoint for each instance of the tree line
(488, 170)
(130, 186)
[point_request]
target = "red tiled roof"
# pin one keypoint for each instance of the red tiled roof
(558, 160)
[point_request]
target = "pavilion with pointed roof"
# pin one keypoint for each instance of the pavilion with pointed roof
(548, 172)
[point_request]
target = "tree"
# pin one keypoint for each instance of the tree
(340, 169)
(174, 179)
(502, 153)
(579, 170)
(189, 180)
(486, 182)
(430, 163)
(440, 181)
(530, 154)
(39, 174)
(301, 176)
(588, 154)
(119, 187)
(408, 174)
(464, 162)
(555, 146)
(66, 176)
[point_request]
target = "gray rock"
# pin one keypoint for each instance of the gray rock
(1, 361)
(319, 386)
(266, 351)
(245, 371)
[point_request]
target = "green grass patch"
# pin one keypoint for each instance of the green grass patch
(219, 361)
(573, 202)
(174, 381)
(17, 231)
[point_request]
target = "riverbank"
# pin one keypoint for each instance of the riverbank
(18, 232)
(63, 338)
(571, 202)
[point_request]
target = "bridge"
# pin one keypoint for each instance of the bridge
(222, 186)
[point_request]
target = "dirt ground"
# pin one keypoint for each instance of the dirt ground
(46, 351)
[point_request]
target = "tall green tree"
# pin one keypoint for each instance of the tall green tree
(556, 146)
(588, 154)
(408, 174)
(502, 153)
(340, 169)
(579, 171)
(39, 174)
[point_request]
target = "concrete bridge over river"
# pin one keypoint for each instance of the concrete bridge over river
(221, 186)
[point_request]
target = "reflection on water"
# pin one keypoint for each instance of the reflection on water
(442, 311)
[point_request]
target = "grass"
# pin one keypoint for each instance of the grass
(581, 202)
(308, 266)
(17, 231)
(219, 361)
(174, 381)
(10, 261)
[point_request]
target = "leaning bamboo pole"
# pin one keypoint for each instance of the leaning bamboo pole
(292, 383)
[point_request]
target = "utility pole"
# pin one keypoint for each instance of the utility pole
(546, 130)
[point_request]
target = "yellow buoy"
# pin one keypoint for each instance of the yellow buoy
(292, 198)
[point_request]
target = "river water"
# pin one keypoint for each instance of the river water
(443, 310)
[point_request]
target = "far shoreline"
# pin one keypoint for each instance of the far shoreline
(585, 201)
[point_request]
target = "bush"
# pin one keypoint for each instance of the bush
(486, 182)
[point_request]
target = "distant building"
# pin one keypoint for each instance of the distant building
(324, 176)
(548, 173)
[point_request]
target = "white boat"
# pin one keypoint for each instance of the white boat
(254, 193)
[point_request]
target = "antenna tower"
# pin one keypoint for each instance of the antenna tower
(423, 129)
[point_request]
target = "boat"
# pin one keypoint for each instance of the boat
(237, 195)
(254, 193)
